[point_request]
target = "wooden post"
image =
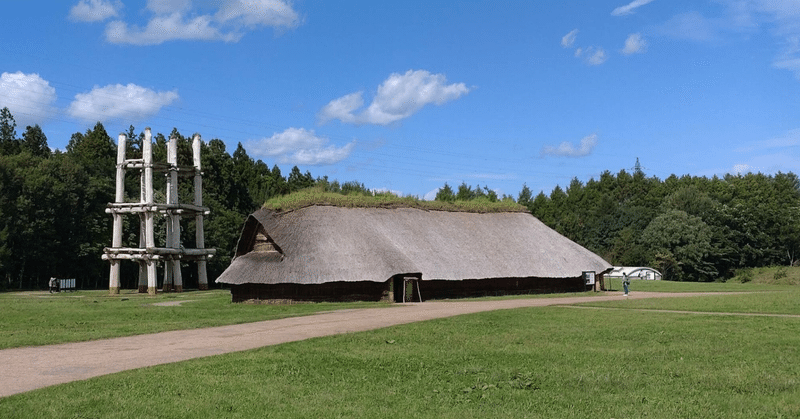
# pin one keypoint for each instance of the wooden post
(116, 240)
(167, 284)
(202, 276)
(150, 242)
(142, 233)
(174, 219)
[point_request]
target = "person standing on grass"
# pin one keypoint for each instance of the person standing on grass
(52, 284)
(626, 282)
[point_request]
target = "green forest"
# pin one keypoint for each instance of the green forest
(690, 228)
(52, 204)
(53, 220)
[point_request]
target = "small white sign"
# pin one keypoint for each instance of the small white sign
(588, 277)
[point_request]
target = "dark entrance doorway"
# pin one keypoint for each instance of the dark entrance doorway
(406, 288)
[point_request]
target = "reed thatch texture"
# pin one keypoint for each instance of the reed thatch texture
(321, 244)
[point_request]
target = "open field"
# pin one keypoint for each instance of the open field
(41, 318)
(535, 362)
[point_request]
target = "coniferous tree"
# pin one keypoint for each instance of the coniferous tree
(35, 142)
(445, 194)
(8, 133)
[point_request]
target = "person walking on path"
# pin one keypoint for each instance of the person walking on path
(626, 282)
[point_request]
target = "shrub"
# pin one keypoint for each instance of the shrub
(745, 275)
(780, 273)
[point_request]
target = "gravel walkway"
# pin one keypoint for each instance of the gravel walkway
(30, 368)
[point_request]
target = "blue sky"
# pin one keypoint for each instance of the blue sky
(408, 95)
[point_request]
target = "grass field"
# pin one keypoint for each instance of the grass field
(41, 318)
(552, 362)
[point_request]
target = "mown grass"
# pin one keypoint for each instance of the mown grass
(41, 318)
(535, 363)
(750, 297)
(776, 301)
(673, 286)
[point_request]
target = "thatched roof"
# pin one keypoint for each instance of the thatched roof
(319, 244)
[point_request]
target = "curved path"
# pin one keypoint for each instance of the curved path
(30, 368)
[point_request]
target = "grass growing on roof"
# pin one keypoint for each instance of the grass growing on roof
(317, 196)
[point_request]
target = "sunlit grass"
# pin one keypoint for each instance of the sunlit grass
(739, 298)
(537, 362)
(41, 318)
(316, 196)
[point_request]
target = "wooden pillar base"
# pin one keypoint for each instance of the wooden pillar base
(142, 289)
(152, 290)
(113, 291)
(203, 287)
(178, 288)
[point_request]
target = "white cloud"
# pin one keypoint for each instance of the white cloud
(29, 97)
(567, 149)
(299, 146)
(629, 8)
(592, 55)
(167, 28)
(791, 64)
(95, 10)
(790, 139)
(128, 102)
(595, 56)
(694, 26)
(635, 44)
(569, 39)
(179, 20)
(253, 13)
(431, 195)
(741, 169)
(342, 108)
(779, 17)
(789, 59)
(784, 13)
(398, 97)
(169, 6)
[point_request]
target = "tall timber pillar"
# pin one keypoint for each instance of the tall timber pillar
(149, 212)
(119, 196)
(173, 279)
(202, 276)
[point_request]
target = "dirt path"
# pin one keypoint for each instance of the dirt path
(30, 368)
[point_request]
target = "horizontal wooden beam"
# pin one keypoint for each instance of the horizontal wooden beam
(137, 207)
(158, 251)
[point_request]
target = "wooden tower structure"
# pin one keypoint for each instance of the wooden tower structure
(147, 255)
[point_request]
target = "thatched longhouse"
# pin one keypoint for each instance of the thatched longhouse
(327, 253)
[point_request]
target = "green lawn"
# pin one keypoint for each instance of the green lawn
(41, 318)
(551, 362)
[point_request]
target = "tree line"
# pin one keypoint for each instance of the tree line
(53, 220)
(690, 228)
(52, 204)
